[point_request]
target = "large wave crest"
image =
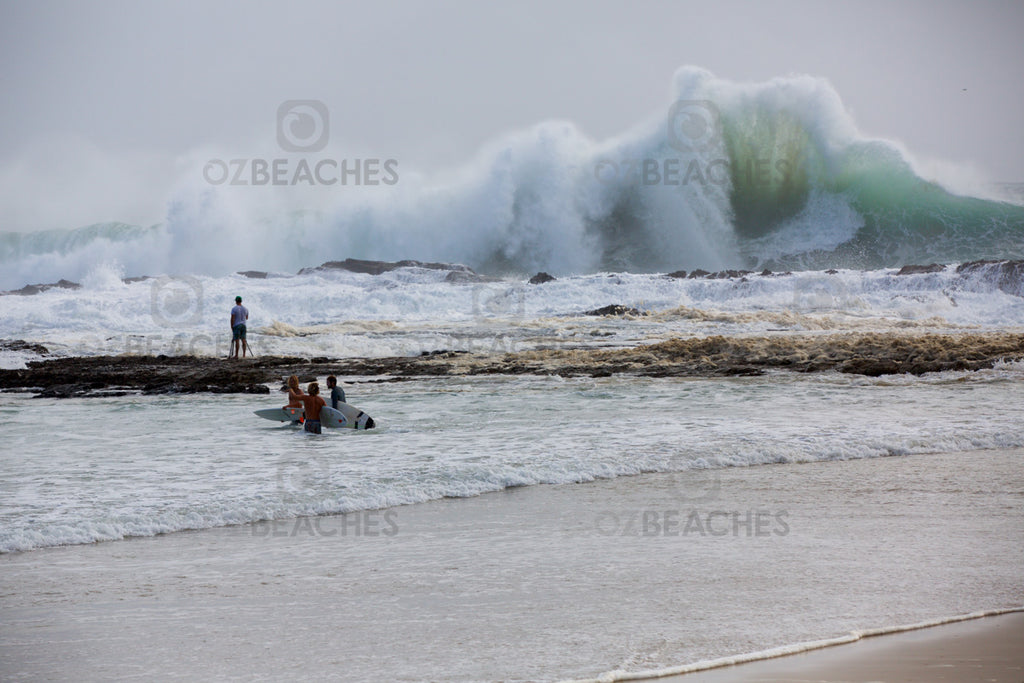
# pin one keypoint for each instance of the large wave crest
(771, 174)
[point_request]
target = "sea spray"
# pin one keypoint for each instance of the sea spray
(727, 175)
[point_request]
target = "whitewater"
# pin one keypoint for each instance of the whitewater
(729, 175)
(507, 507)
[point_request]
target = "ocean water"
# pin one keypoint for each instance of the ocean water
(726, 175)
(410, 311)
(835, 217)
(134, 466)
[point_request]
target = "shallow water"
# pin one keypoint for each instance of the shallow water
(140, 465)
(533, 583)
(605, 570)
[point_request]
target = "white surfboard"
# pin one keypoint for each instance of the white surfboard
(345, 416)
(280, 414)
(329, 417)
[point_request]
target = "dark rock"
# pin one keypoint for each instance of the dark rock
(254, 274)
(1007, 276)
(29, 290)
(831, 271)
(541, 277)
(727, 274)
(95, 376)
(19, 345)
(614, 310)
(698, 273)
(678, 274)
(742, 371)
(133, 280)
(870, 354)
(871, 367)
(64, 391)
(914, 270)
(457, 276)
(378, 267)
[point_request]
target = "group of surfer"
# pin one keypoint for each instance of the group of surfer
(311, 402)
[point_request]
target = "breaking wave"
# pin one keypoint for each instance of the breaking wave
(730, 175)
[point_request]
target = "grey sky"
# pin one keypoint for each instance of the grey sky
(105, 101)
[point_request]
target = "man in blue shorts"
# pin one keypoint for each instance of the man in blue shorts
(239, 316)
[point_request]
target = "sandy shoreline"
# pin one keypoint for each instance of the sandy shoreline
(973, 651)
(533, 583)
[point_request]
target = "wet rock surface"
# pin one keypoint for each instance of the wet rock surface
(870, 354)
(615, 310)
(354, 265)
(29, 290)
(916, 270)
(541, 277)
(23, 346)
(1008, 276)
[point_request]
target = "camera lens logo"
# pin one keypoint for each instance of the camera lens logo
(498, 302)
(822, 292)
(176, 301)
(693, 125)
(698, 486)
(304, 477)
(695, 480)
(302, 125)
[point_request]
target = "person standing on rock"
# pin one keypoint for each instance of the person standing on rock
(239, 316)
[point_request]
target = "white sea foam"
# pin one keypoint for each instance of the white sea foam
(430, 444)
(786, 650)
(683, 188)
(411, 310)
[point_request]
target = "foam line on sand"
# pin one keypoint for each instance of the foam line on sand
(785, 650)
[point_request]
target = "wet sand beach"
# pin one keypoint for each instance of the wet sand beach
(985, 650)
(533, 583)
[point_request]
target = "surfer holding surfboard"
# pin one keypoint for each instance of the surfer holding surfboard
(312, 402)
(315, 408)
(294, 397)
(337, 393)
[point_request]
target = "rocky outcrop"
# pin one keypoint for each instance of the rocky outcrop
(1007, 276)
(917, 270)
(870, 354)
(354, 265)
(541, 277)
(615, 310)
(29, 290)
(23, 347)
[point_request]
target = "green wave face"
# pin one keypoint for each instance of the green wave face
(17, 245)
(776, 165)
(772, 163)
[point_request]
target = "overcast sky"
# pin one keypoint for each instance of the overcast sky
(104, 102)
